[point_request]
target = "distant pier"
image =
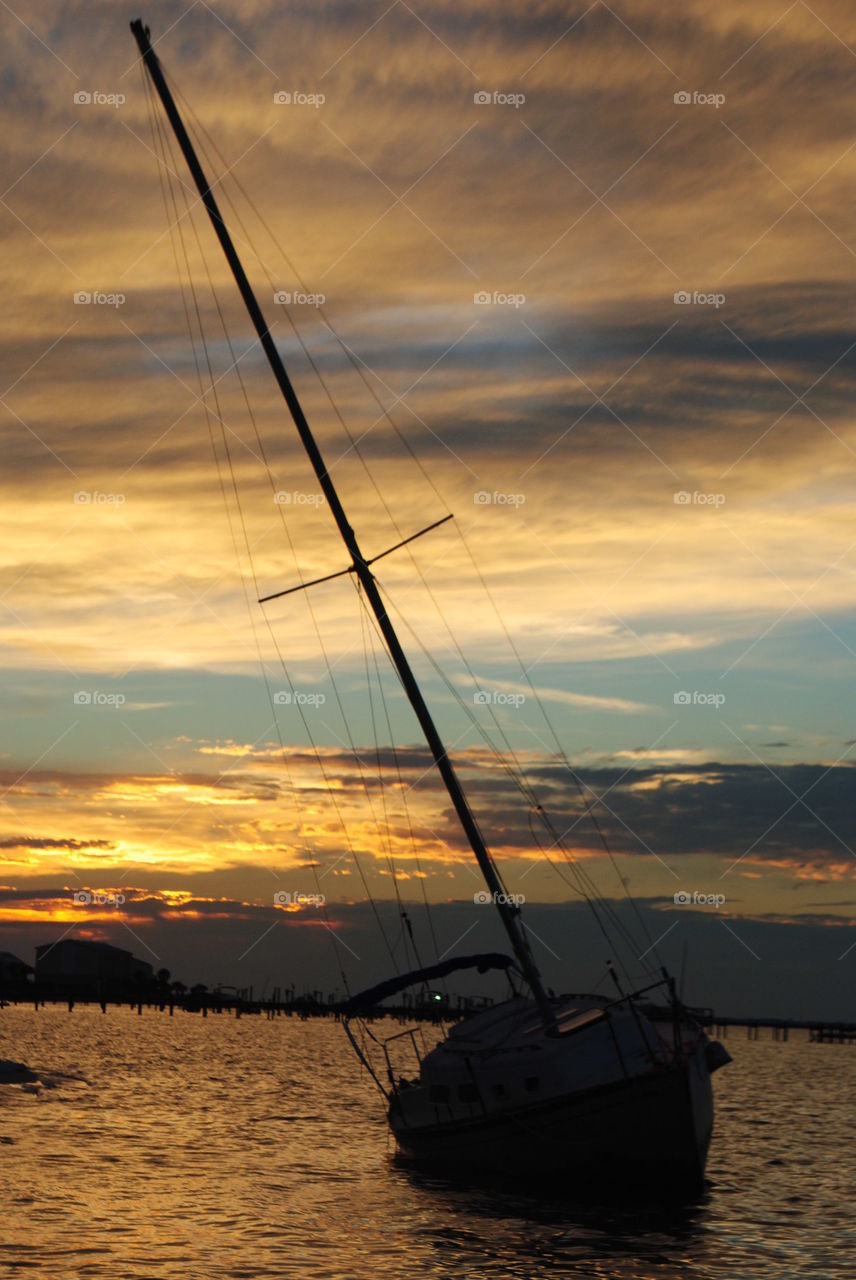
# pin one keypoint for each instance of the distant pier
(285, 1002)
(819, 1032)
(236, 1003)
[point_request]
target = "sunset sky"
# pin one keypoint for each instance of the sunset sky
(596, 263)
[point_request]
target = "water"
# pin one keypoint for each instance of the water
(200, 1149)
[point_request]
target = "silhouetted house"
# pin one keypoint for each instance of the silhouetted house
(89, 967)
(12, 969)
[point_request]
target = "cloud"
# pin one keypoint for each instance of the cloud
(47, 842)
(570, 698)
(592, 402)
(796, 818)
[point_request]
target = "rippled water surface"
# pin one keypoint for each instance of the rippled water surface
(212, 1148)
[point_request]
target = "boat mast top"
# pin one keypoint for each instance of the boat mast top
(509, 913)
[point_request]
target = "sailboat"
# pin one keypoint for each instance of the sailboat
(580, 1090)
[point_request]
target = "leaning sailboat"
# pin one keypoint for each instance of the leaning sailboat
(582, 1090)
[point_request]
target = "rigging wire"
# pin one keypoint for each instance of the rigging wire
(357, 367)
(176, 223)
(402, 789)
(586, 886)
(353, 359)
(588, 805)
(515, 769)
(586, 801)
(385, 833)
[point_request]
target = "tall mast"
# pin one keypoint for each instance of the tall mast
(509, 913)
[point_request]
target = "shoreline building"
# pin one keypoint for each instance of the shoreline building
(98, 968)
